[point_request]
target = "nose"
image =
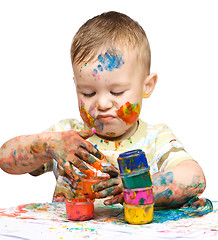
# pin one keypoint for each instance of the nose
(104, 103)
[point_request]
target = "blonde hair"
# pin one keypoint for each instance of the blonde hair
(110, 29)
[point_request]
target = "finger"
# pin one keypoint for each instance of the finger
(111, 170)
(88, 158)
(114, 190)
(105, 184)
(81, 165)
(87, 133)
(68, 169)
(91, 149)
(119, 198)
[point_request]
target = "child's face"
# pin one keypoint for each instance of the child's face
(110, 92)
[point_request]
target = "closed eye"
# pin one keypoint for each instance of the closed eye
(117, 93)
(89, 94)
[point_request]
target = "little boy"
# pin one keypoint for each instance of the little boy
(110, 56)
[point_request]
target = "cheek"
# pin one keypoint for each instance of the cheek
(87, 118)
(129, 112)
(92, 110)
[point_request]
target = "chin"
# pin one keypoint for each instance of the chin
(107, 134)
(111, 136)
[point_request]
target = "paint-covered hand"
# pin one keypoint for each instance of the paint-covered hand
(70, 148)
(177, 185)
(110, 187)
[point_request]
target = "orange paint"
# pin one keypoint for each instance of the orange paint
(87, 185)
(97, 164)
(106, 141)
(129, 112)
(117, 144)
(20, 209)
(88, 172)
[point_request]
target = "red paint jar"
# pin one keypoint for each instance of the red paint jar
(79, 209)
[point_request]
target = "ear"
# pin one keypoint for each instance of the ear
(74, 80)
(149, 85)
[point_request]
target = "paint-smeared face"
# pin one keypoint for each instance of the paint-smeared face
(110, 92)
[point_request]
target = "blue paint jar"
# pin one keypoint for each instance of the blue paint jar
(132, 161)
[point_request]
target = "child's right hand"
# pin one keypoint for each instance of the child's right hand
(69, 148)
(112, 187)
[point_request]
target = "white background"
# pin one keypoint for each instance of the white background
(37, 89)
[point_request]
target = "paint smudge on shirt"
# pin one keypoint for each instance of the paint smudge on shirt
(105, 141)
(129, 112)
(117, 144)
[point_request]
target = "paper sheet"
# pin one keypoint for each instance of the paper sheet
(49, 221)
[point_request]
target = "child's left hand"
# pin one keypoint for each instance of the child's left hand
(110, 187)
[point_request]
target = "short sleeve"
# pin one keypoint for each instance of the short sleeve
(169, 151)
(66, 125)
(63, 125)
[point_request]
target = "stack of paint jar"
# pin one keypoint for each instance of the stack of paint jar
(138, 195)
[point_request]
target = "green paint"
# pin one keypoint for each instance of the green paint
(136, 180)
(33, 207)
(163, 180)
(130, 140)
(142, 200)
(81, 228)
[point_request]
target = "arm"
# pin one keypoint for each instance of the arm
(171, 188)
(177, 185)
(26, 154)
(17, 156)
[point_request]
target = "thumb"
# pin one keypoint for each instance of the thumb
(87, 133)
(111, 170)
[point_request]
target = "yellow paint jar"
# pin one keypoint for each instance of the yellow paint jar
(138, 214)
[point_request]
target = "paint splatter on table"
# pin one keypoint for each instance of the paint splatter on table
(49, 221)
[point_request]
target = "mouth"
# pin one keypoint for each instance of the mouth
(105, 118)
